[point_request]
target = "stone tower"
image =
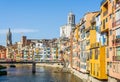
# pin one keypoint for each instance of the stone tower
(71, 19)
(9, 38)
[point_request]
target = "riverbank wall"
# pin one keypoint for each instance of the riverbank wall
(51, 65)
(83, 76)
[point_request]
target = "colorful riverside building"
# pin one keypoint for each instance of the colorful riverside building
(75, 48)
(105, 17)
(97, 58)
(65, 50)
(114, 41)
(2, 53)
(85, 39)
(54, 49)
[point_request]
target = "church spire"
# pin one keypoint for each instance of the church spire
(9, 38)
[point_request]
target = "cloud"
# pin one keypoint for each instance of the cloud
(18, 30)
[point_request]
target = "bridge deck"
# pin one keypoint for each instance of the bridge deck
(23, 62)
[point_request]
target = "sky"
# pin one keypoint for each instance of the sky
(40, 19)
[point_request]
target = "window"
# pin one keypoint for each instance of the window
(87, 42)
(38, 44)
(91, 68)
(104, 24)
(113, 67)
(106, 20)
(96, 53)
(118, 33)
(118, 51)
(48, 52)
(110, 16)
(81, 56)
(113, 4)
(97, 70)
(44, 52)
(90, 54)
(110, 64)
(94, 70)
(119, 66)
(104, 39)
(117, 15)
(110, 48)
(87, 34)
(107, 52)
(110, 32)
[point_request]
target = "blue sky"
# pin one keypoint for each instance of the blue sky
(38, 19)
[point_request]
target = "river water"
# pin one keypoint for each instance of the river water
(23, 73)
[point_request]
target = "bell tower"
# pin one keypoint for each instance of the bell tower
(9, 38)
(71, 19)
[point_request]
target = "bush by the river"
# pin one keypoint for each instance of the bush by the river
(2, 70)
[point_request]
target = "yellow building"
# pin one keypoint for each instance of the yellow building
(86, 34)
(104, 16)
(90, 36)
(90, 40)
(97, 60)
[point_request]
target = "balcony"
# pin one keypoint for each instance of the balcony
(105, 13)
(118, 36)
(95, 45)
(116, 58)
(116, 23)
(104, 27)
(93, 20)
(117, 5)
(116, 42)
(90, 28)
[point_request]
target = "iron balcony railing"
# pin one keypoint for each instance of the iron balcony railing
(116, 42)
(117, 5)
(116, 23)
(116, 58)
(95, 45)
(105, 13)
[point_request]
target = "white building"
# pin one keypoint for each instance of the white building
(41, 51)
(65, 30)
(98, 24)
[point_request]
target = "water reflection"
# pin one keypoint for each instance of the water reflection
(23, 73)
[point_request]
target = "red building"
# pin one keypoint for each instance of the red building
(2, 53)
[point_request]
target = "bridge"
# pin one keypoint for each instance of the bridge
(28, 62)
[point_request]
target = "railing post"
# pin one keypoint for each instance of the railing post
(33, 67)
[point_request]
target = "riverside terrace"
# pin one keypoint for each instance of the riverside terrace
(29, 62)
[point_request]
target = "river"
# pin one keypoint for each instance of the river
(23, 73)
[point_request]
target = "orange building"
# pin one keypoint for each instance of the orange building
(2, 53)
(85, 40)
(113, 61)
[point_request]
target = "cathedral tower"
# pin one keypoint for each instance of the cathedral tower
(71, 19)
(9, 38)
